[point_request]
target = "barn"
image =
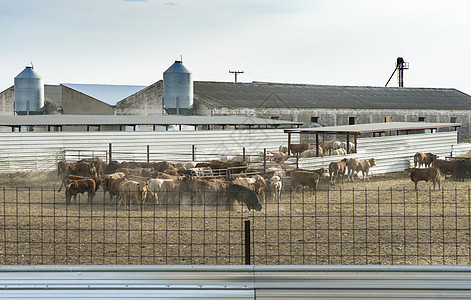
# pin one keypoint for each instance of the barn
(313, 105)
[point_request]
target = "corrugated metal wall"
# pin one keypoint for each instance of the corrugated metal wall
(235, 282)
(25, 151)
(395, 153)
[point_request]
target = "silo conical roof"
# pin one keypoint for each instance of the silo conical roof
(177, 67)
(28, 72)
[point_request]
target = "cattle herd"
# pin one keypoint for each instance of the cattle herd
(222, 182)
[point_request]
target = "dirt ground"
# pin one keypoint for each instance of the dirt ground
(383, 221)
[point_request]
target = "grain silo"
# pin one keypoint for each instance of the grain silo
(178, 90)
(29, 93)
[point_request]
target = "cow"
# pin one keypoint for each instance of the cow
(101, 167)
(86, 169)
(465, 169)
(132, 192)
(357, 165)
(275, 185)
(112, 186)
(106, 181)
(446, 166)
(65, 168)
(256, 183)
(320, 171)
(80, 186)
(427, 174)
(312, 153)
(175, 192)
(423, 159)
(208, 191)
(337, 169)
(303, 178)
(339, 151)
(298, 148)
(67, 178)
(351, 146)
(243, 195)
(112, 167)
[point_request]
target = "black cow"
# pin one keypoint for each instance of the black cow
(243, 195)
(465, 169)
(112, 167)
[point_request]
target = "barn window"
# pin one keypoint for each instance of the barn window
(421, 119)
(314, 119)
(351, 121)
(453, 119)
(387, 119)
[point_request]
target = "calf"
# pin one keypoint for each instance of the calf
(275, 186)
(303, 178)
(336, 169)
(86, 169)
(357, 165)
(298, 148)
(243, 195)
(426, 175)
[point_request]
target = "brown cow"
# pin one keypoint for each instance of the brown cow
(357, 165)
(336, 169)
(132, 192)
(113, 187)
(175, 192)
(65, 168)
(208, 191)
(298, 148)
(106, 182)
(303, 178)
(423, 159)
(80, 186)
(447, 166)
(86, 169)
(426, 175)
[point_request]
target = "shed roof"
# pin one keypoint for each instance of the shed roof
(110, 94)
(373, 128)
(103, 120)
(278, 95)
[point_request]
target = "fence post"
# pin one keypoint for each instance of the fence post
(247, 242)
(264, 160)
(148, 153)
(109, 152)
(243, 154)
(193, 152)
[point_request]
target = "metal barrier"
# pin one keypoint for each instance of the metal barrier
(234, 282)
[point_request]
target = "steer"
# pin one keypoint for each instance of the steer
(426, 175)
(243, 195)
(132, 192)
(303, 178)
(337, 169)
(357, 165)
(447, 166)
(80, 186)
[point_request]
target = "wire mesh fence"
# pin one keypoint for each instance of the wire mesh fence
(331, 226)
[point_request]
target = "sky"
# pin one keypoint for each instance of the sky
(325, 42)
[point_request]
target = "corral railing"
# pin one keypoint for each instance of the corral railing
(327, 227)
(35, 151)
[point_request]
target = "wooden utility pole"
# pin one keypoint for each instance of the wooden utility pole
(235, 74)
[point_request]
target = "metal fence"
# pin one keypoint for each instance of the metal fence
(325, 227)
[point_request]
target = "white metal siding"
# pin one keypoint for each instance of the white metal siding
(392, 153)
(25, 151)
(234, 282)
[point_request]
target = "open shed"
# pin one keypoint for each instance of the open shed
(376, 129)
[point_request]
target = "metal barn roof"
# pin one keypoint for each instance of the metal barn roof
(278, 95)
(110, 94)
(373, 128)
(130, 120)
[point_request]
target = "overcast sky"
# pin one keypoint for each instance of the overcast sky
(328, 42)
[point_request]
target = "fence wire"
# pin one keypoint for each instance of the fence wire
(324, 227)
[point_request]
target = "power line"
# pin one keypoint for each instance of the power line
(235, 74)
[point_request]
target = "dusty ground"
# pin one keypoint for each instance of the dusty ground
(383, 221)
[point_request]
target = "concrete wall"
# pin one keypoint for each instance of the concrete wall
(335, 117)
(7, 100)
(76, 103)
(145, 102)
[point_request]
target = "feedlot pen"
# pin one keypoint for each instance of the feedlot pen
(382, 222)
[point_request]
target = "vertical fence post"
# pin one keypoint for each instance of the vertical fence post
(247, 242)
(264, 160)
(193, 152)
(109, 152)
(243, 154)
(148, 153)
